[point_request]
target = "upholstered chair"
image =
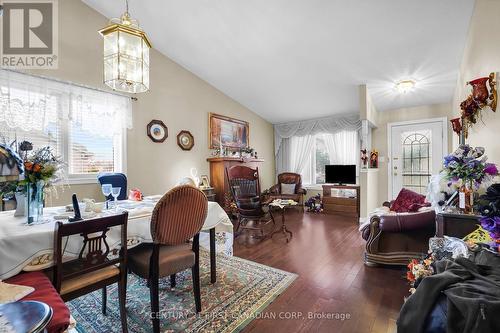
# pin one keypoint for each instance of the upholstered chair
(396, 238)
(177, 217)
(244, 185)
(297, 193)
(116, 179)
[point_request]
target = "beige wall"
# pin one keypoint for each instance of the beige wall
(481, 56)
(177, 97)
(379, 135)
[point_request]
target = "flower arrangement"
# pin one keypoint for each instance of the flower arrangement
(41, 165)
(314, 204)
(417, 270)
(490, 211)
(468, 165)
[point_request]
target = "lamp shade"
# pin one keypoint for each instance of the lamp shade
(126, 56)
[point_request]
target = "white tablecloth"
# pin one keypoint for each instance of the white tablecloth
(24, 247)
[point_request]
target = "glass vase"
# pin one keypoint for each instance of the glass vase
(466, 198)
(34, 198)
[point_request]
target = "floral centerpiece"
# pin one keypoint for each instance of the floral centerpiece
(466, 169)
(314, 204)
(40, 170)
(490, 211)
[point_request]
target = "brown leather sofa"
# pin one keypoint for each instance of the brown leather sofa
(395, 239)
(288, 178)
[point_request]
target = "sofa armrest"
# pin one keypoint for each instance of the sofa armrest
(371, 233)
(301, 191)
(275, 189)
(402, 222)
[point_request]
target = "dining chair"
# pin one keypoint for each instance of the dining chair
(116, 179)
(244, 185)
(177, 217)
(96, 266)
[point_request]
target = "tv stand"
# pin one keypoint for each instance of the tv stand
(341, 204)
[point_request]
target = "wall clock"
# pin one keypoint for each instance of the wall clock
(185, 140)
(157, 131)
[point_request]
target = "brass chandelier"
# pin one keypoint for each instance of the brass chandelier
(126, 55)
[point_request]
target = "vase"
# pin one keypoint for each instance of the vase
(34, 192)
(466, 198)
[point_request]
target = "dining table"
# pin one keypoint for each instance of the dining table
(30, 247)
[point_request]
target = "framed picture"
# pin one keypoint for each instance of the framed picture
(232, 132)
(185, 140)
(205, 182)
(157, 131)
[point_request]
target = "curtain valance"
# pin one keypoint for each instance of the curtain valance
(30, 103)
(330, 125)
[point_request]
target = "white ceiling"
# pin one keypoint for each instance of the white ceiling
(299, 59)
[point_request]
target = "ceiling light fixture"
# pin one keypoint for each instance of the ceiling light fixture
(405, 86)
(126, 55)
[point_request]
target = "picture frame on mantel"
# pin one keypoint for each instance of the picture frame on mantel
(234, 133)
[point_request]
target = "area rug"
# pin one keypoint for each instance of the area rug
(243, 289)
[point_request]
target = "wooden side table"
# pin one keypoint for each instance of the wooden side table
(455, 225)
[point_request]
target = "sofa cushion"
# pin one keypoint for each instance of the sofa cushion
(287, 188)
(406, 200)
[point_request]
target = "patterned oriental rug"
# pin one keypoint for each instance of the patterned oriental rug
(243, 289)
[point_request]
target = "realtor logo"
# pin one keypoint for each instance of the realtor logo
(29, 34)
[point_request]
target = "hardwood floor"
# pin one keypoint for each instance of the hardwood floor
(326, 252)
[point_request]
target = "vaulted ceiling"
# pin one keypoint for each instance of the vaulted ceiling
(299, 59)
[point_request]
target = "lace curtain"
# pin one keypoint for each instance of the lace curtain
(285, 133)
(30, 103)
(330, 125)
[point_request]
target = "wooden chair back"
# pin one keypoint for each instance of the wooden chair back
(95, 251)
(243, 181)
(179, 215)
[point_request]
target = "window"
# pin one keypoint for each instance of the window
(310, 154)
(84, 126)
(416, 160)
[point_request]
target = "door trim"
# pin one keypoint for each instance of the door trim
(442, 120)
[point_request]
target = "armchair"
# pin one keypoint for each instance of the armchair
(395, 239)
(289, 178)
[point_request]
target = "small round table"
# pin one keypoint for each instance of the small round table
(282, 205)
(25, 316)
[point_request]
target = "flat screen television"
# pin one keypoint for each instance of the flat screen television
(340, 174)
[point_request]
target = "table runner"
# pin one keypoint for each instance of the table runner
(29, 248)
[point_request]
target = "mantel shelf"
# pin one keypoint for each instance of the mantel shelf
(234, 159)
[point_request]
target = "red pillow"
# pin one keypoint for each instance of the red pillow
(407, 200)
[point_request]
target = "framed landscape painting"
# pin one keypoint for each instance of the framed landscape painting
(233, 132)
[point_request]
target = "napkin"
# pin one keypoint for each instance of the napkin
(13, 292)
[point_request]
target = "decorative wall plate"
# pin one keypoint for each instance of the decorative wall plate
(185, 140)
(157, 131)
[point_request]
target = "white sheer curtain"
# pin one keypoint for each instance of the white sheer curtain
(301, 150)
(29, 103)
(283, 134)
(342, 147)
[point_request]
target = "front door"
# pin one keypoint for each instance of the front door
(416, 152)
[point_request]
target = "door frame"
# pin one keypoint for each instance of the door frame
(442, 120)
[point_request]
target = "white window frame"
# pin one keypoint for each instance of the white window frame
(120, 162)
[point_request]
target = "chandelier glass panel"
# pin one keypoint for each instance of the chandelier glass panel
(126, 55)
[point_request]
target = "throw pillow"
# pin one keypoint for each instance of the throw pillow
(287, 188)
(406, 198)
